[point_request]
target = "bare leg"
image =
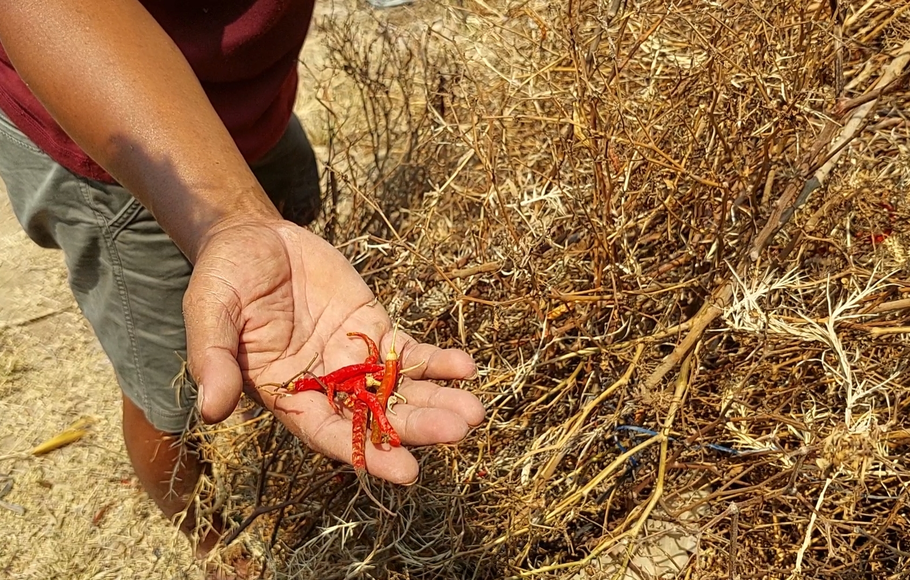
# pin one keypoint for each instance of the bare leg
(155, 456)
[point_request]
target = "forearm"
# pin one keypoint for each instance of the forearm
(122, 90)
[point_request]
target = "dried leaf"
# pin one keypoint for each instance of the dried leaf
(73, 433)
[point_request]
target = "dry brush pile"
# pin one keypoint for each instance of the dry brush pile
(674, 236)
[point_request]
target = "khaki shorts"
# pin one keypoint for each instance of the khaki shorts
(127, 276)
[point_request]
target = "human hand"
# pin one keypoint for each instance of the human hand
(265, 298)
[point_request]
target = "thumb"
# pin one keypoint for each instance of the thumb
(211, 314)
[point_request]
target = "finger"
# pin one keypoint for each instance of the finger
(431, 361)
(310, 418)
(429, 395)
(212, 334)
(427, 425)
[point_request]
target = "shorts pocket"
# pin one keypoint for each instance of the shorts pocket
(114, 206)
(12, 133)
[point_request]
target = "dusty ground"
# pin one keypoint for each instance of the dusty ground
(83, 514)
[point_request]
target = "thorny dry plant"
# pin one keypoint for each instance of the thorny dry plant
(674, 237)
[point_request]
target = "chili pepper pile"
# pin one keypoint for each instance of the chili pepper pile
(355, 381)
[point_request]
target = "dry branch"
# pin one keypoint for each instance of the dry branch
(587, 196)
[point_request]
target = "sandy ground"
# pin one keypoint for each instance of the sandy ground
(84, 515)
(77, 512)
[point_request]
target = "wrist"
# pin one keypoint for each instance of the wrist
(252, 208)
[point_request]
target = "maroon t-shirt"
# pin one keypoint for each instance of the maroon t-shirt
(243, 51)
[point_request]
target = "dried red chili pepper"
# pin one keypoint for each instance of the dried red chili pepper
(352, 380)
(359, 437)
(335, 377)
(386, 387)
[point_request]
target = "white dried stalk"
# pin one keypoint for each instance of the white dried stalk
(807, 541)
(747, 314)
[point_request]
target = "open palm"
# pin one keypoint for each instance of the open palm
(265, 299)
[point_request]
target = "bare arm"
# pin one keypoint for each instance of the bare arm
(120, 87)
